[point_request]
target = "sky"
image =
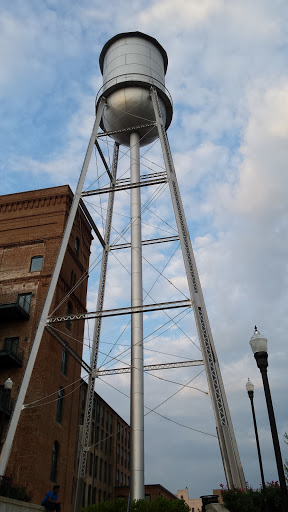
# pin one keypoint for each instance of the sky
(227, 74)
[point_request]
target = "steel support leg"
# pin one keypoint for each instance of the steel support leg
(48, 301)
(137, 379)
(96, 339)
(227, 441)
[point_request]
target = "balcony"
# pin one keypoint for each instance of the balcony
(15, 306)
(10, 354)
(6, 403)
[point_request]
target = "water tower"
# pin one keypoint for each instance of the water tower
(134, 108)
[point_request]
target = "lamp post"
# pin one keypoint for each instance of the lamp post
(250, 391)
(6, 395)
(259, 347)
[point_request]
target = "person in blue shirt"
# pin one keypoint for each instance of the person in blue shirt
(50, 501)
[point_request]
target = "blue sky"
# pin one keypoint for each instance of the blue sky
(228, 77)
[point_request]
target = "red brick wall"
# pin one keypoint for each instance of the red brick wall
(32, 224)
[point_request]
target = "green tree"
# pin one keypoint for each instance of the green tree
(158, 505)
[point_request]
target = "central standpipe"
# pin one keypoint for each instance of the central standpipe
(137, 380)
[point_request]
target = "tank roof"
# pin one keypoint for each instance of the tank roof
(133, 34)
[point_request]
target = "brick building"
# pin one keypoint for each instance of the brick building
(108, 461)
(32, 225)
(195, 505)
(152, 492)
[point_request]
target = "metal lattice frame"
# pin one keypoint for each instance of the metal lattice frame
(230, 455)
(96, 338)
(49, 297)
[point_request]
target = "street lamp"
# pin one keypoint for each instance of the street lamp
(6, 396)
(250, 391)
(259, 347)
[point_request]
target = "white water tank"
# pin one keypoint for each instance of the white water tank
(131, 63)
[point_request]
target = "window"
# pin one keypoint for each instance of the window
(98, 411)
(122, 433)
(72, 279)
(128, 439)
(92, 433)
(110, 446)
(105, 471)
(121, 456)
(109, 474)
(99, 495)
(11, 345)
(96, 466)
(117, 478)
(68, 312)
(90, 466)
(118, 453)
(125, 481)
(54, 462)
(36, 263)
(76, 246)
(104, 496)
(147, 497)
(97, 436)
(118, 430)
(125, 459)
(121, 479)
(102, 437)
(100, 469)
(128, 478)
(24, 301)
(82, 419)
(107, 419)
(89, 495)
(93, 408)
(102, 416)
(125, 434)
(111, 424)
(59, 411)
(128, 460)
(94, 496)
(64, 361)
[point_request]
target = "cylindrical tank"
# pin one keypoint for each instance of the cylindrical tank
(131, 63)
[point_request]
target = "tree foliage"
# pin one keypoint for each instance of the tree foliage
(286, 461)
(158, 505)
(253, 500)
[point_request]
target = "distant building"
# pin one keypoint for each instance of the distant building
(195, 505)
(108, 461)
(152, 492)
(218, 492)
(31, 229)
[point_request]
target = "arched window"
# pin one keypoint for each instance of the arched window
(54, 462)
(64, 360)
(76, 246)
(59, 412)
(68, 312)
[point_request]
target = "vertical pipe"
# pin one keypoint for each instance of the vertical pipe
(137, 380)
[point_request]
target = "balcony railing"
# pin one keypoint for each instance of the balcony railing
(6, 403)
(15, 306)
(10, 353)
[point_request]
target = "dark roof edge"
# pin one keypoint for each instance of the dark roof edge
(133, 34)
